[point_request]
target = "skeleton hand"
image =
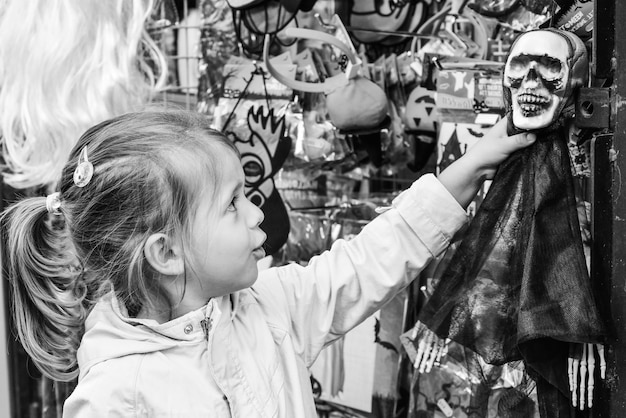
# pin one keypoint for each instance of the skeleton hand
(430, 350)
(582, 358)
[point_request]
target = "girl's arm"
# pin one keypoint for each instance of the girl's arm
(351, 281)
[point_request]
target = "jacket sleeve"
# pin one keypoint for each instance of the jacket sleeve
(340, 288)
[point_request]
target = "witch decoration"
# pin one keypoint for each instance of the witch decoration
(517, 286)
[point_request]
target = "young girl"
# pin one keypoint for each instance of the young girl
(140, 276)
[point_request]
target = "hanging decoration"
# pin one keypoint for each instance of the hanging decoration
(353, 101)
(374, 21)
(255, 19)
(218, 42)
(520, 15)
(575, 16)
(263, 153)
(517, 288)
(252, 114)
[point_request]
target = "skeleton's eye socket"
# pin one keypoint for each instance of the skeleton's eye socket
(548, 68)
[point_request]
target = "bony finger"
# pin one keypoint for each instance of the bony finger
(433, 355)
(591, 363)
(420, 353)
(575, 366)
(583, 378)
(570, 374)
(600, 348)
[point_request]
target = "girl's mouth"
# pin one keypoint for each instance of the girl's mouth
(258, 253)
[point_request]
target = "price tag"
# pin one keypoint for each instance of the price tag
(445, 408)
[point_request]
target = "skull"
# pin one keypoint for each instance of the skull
(543, 69)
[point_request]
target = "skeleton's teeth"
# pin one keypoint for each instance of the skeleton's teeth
(532, 98)
(532, 104)
(530, 107)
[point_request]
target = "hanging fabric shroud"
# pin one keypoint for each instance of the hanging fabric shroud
(518, 287)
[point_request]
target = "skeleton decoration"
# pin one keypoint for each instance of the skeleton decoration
(517, 287)
(540, 76)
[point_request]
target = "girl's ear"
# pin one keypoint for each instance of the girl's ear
(164, 255)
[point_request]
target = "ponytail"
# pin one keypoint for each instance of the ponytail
(48, 300)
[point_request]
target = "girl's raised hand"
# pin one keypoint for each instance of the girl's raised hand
(480, 162)
(496, 146)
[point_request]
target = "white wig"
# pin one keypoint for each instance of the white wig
(66, 65)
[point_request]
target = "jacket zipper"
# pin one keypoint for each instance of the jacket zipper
(206, 324)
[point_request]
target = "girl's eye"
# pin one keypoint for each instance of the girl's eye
(233, 204)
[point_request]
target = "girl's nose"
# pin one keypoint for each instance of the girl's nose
(256, 215)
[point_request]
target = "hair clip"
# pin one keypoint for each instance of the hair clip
(84, 170)
(53, 203)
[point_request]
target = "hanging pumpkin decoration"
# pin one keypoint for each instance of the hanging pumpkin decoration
(421, 113)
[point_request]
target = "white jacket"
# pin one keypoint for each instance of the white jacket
(260, 340)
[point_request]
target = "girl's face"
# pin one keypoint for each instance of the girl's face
(226, 241)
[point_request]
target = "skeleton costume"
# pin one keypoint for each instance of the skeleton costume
(517, 288)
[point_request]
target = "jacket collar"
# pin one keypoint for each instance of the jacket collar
(189, 326)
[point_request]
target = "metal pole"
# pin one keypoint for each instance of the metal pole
(609, 203)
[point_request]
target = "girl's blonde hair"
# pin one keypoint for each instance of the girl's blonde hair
(66, 65)
(149, 168)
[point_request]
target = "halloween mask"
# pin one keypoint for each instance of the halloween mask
(542, 70)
